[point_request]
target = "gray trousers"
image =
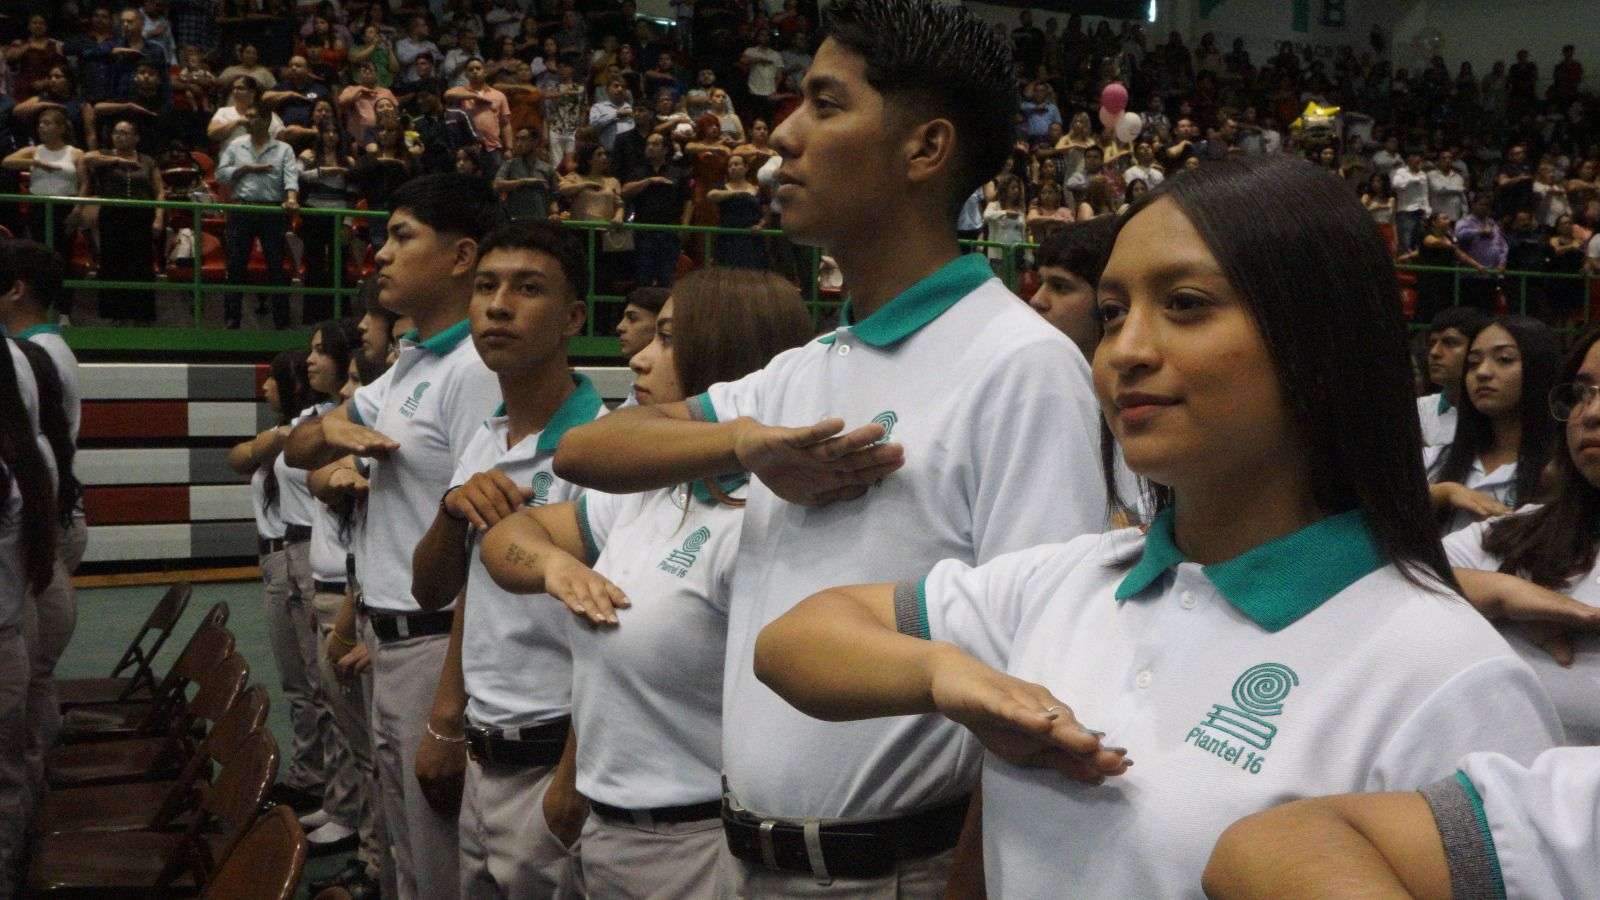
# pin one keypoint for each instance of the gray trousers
(47, 627)
(651, 862)
(16, 792)
(507, 848)
(292, 634)
(352, 783)
(913, 880)
(405, 674)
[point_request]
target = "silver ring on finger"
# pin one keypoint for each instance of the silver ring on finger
(1053, 711)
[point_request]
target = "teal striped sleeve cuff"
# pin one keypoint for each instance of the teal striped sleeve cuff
(700, 408)
(589, 545)
(911, 609)
(1468, 843)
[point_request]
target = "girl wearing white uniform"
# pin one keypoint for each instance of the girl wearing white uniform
(1554, 546)
(1503, 430)
(27, 563)
(1231, 650)
(647, 670)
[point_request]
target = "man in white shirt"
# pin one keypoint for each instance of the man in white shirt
(505, 694)
(413, 423)
(1410, 202)
(1449, 335)
(933, 354)
(1447, 188)
(763, 62)
(1144, 166)
(1388, 159)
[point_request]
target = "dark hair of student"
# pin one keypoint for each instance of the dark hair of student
(727, 323)
(340, 341)
(937, 60)
(283, 374)
(1315, 274)
(38, 267)
(584, 157)
(1541, 358)
(452, 204)
(56, 429)
(1469, 320)
(369, 305)
(22, 463)
(542, 237)
(1556, 542)
(648, 298)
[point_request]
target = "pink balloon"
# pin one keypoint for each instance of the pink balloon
(1109, 119)
(1114, 98)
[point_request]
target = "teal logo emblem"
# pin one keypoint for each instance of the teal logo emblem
(1258, 697)
(541, 488)
(409, 407)
(681, 560)
(888, 419)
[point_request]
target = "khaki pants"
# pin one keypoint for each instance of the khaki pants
(405, 674)
(351, 783)
(658, 862)
(47, 628)
(507, 848)
(912, 880)
(16, 792)
(294, 627)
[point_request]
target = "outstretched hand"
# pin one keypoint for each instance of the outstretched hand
(357, 439)
(815, 465)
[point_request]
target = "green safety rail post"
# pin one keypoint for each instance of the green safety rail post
(1522, 277)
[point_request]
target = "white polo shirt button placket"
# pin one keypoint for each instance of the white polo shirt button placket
(1322, 670)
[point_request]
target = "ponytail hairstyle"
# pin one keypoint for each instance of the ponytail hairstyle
(23, 464)
(340, 340)
(1541, 359)
(57, 431)
(283, 374)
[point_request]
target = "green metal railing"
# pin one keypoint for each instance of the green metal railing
(199, 338)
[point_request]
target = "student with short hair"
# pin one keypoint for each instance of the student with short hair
(501, 714)
(648, 646)
(413, 423)
(1448, 336)
(1070, 261)
(1230, 649)
(1504, 432)
(857, 462)
(637, 327)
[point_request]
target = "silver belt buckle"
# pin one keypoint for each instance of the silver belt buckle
(769, 857)
(402, 628)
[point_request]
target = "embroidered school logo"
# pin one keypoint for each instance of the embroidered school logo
(409, 407)
(887, 419)
(541, 488)
(1258, 696)
(679, 561)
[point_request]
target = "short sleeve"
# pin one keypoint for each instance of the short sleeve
(1464, 549)
(597, 514)
(368, 399)
(1496, 705)
(1541, 823)
(729, 400)
(473, 394)
(979, 608)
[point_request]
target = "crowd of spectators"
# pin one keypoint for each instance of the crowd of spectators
(581, 109)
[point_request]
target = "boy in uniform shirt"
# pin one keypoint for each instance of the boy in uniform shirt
(505, 696)
(414, 423)
(1449, 336)
(907, 109)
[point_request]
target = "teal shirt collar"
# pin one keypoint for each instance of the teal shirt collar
(727, 483)
(41, 328)
(919, 304)
(444, 341)
(1279, 582)
(1444, 404)
(582, 405)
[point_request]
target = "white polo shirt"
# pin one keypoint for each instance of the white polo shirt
(647, 694)
(1002, 436)
(49, 337)
(515, 657)
(1500, 484)
(296, 506)
(431, 401)
(1575, 690)
(329, 546)
(1516, 831)
(269, 523)
(1438, 419)
(1305, 666)
(1410, 190)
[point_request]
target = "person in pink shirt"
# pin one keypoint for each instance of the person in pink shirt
(358, 103)
(489, 109)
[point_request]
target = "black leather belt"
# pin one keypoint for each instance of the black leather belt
(389, 626)
(294, 534)
(536, 745)
(327, 587)
(665, 815)
(866, 849)
(268, 545)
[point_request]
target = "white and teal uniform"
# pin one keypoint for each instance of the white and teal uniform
(1305, 666)
(1001, 434)
(1574, 689)
(1438, 419)
(49, 337)
(1500, 484)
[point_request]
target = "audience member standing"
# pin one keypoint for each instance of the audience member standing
(263, 171)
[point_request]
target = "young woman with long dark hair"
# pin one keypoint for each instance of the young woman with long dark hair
(1254, 370)
(647, 670)
(1504, 432)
